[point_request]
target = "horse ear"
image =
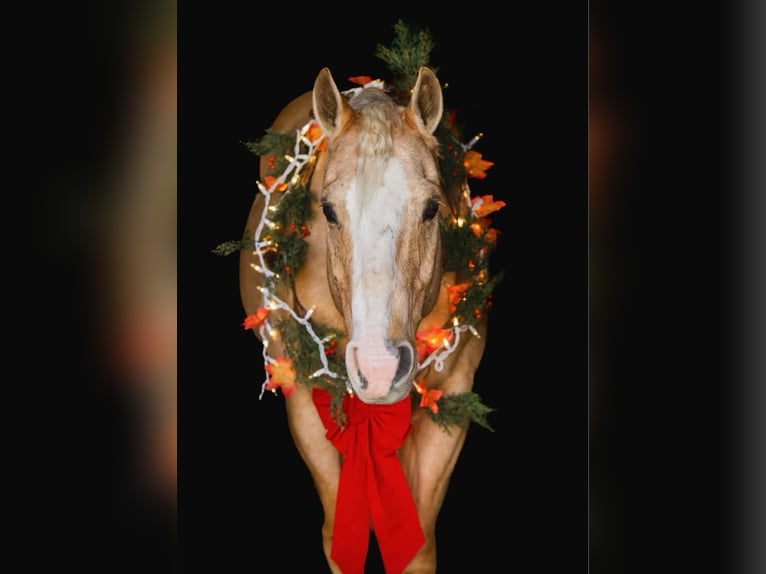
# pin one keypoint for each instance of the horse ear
(331, 109)
(426, 104)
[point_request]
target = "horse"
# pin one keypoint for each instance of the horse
(372, 273)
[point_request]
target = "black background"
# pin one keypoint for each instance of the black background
(245, 496)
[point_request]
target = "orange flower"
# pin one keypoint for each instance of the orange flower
(281, 375)
(256, 319)
(428, 398)
(314, 132)
(269, 181)
(430, 340)
(484, 205)
(475, 166)
(455, 293)
(360, 80)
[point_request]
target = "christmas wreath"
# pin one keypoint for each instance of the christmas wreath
(310, 356)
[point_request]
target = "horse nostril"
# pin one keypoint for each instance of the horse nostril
(362, 380)
(405, 363)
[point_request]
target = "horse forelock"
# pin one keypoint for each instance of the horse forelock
(378, 119)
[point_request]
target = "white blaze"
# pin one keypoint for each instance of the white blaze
(376, 216)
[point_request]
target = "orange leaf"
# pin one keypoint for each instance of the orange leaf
(256, 319)
(475, 166)
(484, 205)
(429, 397)
(269, 181)
(429, 400)
(431, 339)
(314, 132)
(360, 80)
(281, 375)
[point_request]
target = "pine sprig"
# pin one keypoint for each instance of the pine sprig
(274, 144)
(229, 247)
(409, 50)
(460, 410)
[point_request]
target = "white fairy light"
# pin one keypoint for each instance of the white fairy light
(476, 205)
(473, 141)
(438, 357)
(296, 162)
(467, 194)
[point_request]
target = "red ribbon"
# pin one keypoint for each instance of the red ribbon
(372, 484)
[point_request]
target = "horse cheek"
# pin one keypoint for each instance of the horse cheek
(333, 281)
(434, 280)
(337, 277)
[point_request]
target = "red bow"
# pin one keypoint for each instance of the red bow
(372, 484)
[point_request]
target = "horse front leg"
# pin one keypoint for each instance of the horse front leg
(430, 453)
(428, 458)
(320, 456)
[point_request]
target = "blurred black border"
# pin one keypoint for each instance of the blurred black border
(660, 458)
(519, 495)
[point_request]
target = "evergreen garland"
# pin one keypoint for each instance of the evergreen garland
(451, 157)
(303, 351)
(288, 237)
(464, 252)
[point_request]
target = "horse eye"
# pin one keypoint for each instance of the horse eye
(430, 209)
(329, 213)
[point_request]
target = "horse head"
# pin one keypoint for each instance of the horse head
(381, 195)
